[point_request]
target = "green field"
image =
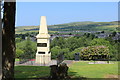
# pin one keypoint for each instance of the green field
(76, 69)
(73, 26)
(83, 69)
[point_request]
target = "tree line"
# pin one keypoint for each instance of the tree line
(86, 45)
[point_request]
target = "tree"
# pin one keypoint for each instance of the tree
(8, 38)
(26, 49)
(55, 51)
(72, 43)
(71, 54)
(0, 43)
(65, 51)
(29, 49)
(19, 52)
(101, 41)
(83, 41)
(58, 41)
(18, 40)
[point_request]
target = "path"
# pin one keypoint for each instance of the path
(68, 62)
(32, 63)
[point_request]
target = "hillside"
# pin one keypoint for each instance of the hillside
(73, 26)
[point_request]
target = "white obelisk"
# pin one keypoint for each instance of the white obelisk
(43, 55)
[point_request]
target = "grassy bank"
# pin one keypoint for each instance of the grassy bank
(76, 69)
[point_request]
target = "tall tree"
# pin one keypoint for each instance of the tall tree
(8, 40)
(0, 43)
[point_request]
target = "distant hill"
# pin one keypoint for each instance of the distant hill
(73, 26)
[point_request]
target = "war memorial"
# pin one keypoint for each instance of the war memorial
(43, 55)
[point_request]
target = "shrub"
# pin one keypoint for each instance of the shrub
(89, 52)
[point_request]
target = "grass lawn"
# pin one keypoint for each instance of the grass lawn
(77, 69)
(83, 69)
(31, 71)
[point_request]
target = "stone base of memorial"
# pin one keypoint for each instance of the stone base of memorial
(43, 58)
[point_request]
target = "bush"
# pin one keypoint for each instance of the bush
(87, 53)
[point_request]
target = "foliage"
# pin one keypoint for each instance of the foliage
(90, 51)
(26, 49)
(55, 51)
(58, 41)
(19, 52)
(74, 45)
(99, 41)
(69, 45)
(71, 54)
(115, 51)
(65, 51)
(18, 40)
(109, 43)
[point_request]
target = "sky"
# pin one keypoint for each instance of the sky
(28, 13)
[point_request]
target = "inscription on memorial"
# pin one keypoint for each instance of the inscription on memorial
(41, 52)
(41, 44)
